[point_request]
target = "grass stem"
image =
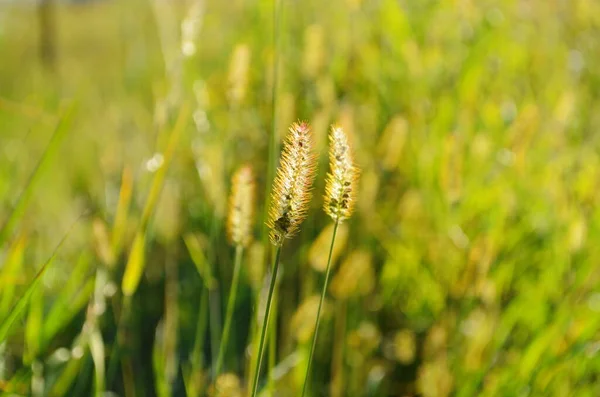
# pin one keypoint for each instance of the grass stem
(265, 324)
(230, 307)
(273, 342)
(214, 305)
(324, 291)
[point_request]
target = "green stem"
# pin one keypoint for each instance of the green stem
(252, 358)
(273, 342)
(337, 362)
(119, 341)
(273, 137)
(230, 307)
(214, 306)
(273, 141)
(265, 324)
(324, 291)
(196, 359)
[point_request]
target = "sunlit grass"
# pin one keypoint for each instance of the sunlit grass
(469, 267)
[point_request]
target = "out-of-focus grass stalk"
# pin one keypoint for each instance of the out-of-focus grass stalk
(121, 215)
(251, 365)
(337, 363)
(95, 341)
(323, 293)
(10, 269)
(214, 302)
(200, 330)
(290, 199)
(205, 272)
(273, 343)
(171, 317)
(230, 307)
(273, 142)
(136, 263)
(18, 208)
(272, 152)
(121, 315)
(265, 324)
(191, 371)
(273, 148)
(18, 308)
(128, 377)
(339, 202)
(47, 32)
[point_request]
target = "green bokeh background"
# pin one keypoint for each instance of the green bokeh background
(470, 267)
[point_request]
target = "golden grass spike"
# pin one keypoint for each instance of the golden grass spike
(292, 186)
(241, 207)
(226, 385)
(340, 186)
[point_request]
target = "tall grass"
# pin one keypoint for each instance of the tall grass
(468, 267)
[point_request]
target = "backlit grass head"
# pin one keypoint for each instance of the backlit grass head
(241, 207)
(291, 191)
(340, 187)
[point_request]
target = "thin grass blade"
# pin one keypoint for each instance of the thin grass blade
(136, 263)
(17, 310)
(53, 145)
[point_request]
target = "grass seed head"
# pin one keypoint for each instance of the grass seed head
(238, 74)
(226, 385)
(291, 191)
(241, 207)
(340, 186)
(355, 277)
(303, 320)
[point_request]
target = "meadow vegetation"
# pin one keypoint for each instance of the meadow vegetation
(468, 268)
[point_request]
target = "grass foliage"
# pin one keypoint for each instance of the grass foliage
(470, 267)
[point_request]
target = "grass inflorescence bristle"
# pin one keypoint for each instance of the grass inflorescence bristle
(291, 191)
(340, 187)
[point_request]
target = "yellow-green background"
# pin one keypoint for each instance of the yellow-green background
(470, 267)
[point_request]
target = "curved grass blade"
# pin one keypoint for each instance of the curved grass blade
(10, 269)
(19, 208)
(136, 263)
(195, 249)
(19, 307)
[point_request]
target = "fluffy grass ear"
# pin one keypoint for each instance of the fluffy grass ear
(340, 187)
(239, 232)
(340, 196)
(290, 197)
(241, 207)
(291, 192)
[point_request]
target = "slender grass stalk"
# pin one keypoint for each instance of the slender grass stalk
(251, 365)
(196, 357)
(18, 208)
(230, 307)
(239, 232)
(323, 293)
(19, 307)
(265, 325)
(273, 342)
(273, 144)
(121, 319)
(339, 200)
(171, 320)
(337, 362)
(214, 304)
(290, 197)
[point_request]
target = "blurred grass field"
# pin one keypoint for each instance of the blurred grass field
(469, 269)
